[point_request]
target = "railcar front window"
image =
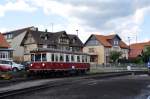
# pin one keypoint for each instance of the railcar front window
(32, 57)
(44, 57)
(38, 57)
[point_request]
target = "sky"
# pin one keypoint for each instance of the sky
(130, 19)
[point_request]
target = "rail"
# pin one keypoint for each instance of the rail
(115, 68)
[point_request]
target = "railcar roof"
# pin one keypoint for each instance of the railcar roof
(39, 50)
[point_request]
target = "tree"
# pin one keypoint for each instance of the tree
(146, 54)
(114, 55)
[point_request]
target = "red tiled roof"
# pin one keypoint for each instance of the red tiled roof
(135, 53)
(123, 45)
(3, 42)
(136, 49)
(104, 40)
(139, 45)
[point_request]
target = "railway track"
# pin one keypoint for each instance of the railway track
(59, 82)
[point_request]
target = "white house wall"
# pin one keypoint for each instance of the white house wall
(18, 50)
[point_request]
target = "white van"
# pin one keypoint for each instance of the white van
(7, 64)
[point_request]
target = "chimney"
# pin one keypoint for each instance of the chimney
(46, 30)
(36, 29)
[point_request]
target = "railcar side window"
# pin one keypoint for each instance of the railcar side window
(83, 58)
(72, 58)
(56, 57)
(61, 58)
(32, 57)
(44, 57)
(86, 59)
(37, 57)
(67, 58)
(52, 57)
(78, 58)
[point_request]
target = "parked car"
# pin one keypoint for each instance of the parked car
(26, 64)
(7, 65)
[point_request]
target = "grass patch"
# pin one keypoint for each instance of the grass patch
(11, 74)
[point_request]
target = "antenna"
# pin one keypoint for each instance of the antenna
(136, 38)
(77, 32)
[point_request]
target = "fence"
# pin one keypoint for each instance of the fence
(117, 67)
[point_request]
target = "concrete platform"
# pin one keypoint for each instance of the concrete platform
(27, 84)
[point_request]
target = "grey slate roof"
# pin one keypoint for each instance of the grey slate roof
(78, 41)
(17, 32)
(53, 37)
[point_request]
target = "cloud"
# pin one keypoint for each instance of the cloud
(2, 30)
(120, 16)
(17, 5)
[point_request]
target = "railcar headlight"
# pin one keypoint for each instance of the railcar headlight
(43, 64)
(73, 67)
(31, 65)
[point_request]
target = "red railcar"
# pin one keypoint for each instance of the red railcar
(52, 61)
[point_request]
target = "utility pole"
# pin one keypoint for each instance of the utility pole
(136, 38)
(52, 26)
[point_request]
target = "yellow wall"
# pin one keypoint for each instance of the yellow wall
(98, 50)
(103, 52)
(29, 47)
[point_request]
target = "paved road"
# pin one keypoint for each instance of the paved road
(123, 87)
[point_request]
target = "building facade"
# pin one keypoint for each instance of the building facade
(5, 49)
(35, 39)
(14, 39)
(100, 46)
(136, 49)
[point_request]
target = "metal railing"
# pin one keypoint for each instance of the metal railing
(117, 67)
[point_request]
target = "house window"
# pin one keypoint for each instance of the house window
(74, 40)
(63, 41)
(50, 46)
(26, 49)
(9, 36)
(40, 45)
(46, 38)
(91, 50)
(115, 42)
(44, 46)
(3, 55)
